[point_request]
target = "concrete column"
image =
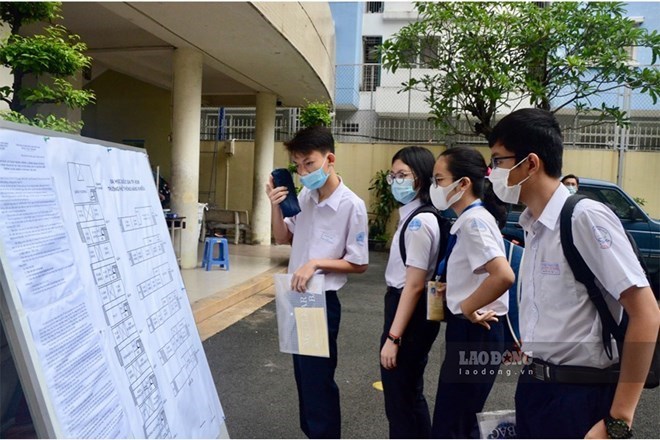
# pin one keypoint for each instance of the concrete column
(264, 149)
(186, 114)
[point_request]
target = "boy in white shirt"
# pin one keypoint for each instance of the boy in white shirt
(328, 236)
(569, 390)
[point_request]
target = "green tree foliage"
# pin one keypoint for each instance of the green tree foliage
(51, 58)
(316, 113)
(488, 57)
(383, 204)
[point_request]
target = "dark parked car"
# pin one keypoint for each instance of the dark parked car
(644, 229)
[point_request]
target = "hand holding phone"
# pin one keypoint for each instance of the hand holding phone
(289, 206)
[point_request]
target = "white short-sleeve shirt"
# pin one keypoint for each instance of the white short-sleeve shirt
(335, 228)
(422, 241)
(558, 321)
(478, 240)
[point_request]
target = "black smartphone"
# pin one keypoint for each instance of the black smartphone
(289, 206)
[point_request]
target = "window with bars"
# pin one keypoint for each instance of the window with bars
(350, 127)
(371, 67)
(375, 7)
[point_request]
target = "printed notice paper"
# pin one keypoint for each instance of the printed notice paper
(94, 279)
(302, 317)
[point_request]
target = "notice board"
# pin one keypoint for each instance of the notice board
(93, 303)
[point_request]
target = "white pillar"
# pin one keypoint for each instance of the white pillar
(186, 114)
(264, 149)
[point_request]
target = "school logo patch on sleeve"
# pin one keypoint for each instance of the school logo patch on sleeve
(478, 225)
(602, 236)
(360, 238)
(415, 224)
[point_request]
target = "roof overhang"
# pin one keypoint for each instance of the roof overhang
(286, 49)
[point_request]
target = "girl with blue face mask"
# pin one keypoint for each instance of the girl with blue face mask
(407, 335)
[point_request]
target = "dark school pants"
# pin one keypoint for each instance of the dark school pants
(466, 376)
(318, 394)
(558, 410)
(403, 387)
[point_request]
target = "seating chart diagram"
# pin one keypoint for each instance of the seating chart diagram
(129, 347)
(97, 313)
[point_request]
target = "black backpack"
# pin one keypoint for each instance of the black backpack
(585, 276)
(443, 223)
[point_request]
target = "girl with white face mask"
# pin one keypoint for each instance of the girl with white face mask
(478, 277)
(407, 335)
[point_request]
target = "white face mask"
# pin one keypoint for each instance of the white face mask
(571, 189)
(499, 178)
(439, 195)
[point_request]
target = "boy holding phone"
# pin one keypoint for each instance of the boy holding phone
(328, 236)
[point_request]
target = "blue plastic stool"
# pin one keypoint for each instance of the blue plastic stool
(222, 259)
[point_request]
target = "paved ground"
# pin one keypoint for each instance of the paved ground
(257, 390)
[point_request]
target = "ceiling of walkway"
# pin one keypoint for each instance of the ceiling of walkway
(244, 50)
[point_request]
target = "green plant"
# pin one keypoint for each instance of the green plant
(382, 205)
(640, 201)
(316, 113)
(293, 169)
(51, 58)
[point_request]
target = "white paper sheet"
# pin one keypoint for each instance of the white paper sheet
(302, 317)
(106, 242)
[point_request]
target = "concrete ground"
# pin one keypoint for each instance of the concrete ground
(257, 389)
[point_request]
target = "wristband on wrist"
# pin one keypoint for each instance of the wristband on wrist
(396, 340)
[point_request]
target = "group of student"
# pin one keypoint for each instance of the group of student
(566, 392)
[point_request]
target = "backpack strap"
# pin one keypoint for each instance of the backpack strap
(585, 276)
(443, 230)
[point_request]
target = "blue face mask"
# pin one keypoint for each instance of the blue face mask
(315, 179)
(404, 192)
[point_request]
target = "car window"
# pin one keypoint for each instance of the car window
(614, 200)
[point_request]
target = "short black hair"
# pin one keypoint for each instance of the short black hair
(421, 162)
(531, 130)
(306, 140)
(570, 176)
(468, 162)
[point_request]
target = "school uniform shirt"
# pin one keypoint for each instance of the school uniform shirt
(478, 240)
(335, 228)
(422, 241)
(558, 322)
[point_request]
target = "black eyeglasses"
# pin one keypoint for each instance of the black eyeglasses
(398, 177)
(495, 162)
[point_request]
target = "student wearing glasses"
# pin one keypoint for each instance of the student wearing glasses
(569, 387)
(478, 277)
(407, 335)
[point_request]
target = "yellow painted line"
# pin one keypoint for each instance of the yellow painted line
(378, 385)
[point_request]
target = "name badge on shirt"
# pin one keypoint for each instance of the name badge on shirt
(327, 237)
(550, 268)
(435, 298)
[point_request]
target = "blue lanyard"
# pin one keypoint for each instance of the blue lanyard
(441, 272)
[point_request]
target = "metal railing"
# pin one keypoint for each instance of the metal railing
(371, 108)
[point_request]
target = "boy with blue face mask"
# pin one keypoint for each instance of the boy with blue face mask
(571, 182)
(328, 236)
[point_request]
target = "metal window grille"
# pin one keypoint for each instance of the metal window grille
(375, 7)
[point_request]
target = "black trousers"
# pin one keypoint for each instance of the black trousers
(318, 393)
(556, 410)
(466, 376)
(403, 387)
